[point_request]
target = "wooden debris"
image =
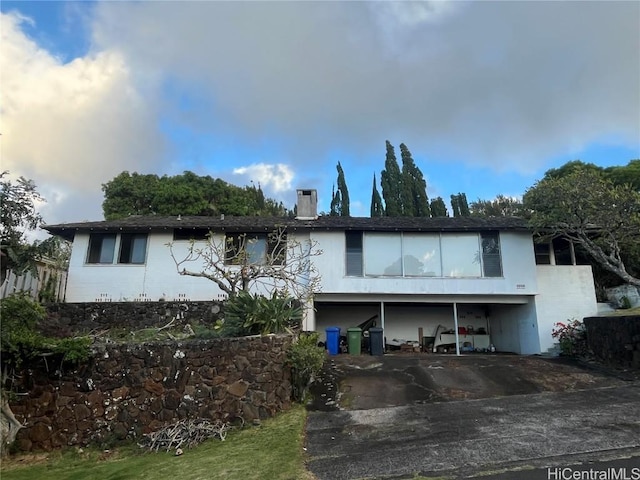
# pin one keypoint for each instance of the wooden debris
(185, 433)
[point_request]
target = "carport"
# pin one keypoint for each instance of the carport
(509, 322)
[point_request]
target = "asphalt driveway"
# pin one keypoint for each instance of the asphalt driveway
(459, 417)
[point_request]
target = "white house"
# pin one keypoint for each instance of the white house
(479, 274)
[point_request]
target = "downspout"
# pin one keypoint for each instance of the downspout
(455, 323)
(382, 323)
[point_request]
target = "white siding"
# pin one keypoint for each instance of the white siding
(157, 278)
(566, 292)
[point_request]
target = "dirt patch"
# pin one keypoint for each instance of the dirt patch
(365, 382)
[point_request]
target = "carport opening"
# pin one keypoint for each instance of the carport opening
(427, 327)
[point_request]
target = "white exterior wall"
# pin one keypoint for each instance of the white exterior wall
(518, 265)
(565, 292)
(157, 278)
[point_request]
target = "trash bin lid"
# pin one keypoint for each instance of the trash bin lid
(375, 329)
(332, 329)
(354, 329)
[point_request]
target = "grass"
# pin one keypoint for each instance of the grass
(274, 450)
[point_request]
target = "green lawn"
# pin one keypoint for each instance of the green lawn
(273, 451)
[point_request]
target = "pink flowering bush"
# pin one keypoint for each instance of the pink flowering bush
(572, 337)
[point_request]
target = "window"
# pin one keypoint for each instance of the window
(491, 260)
(256, 249)
(460, 255)
(421, 255)
(133, 248)
(101, 247)
(354, 253)
(383, 254)
(190, 234)
(543, 253)
(470, 255)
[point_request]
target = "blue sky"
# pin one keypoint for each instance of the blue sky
(486, 95)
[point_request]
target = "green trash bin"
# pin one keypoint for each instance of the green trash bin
(354, 338)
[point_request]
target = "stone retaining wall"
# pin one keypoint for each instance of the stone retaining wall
(65, 319)
(615, 340)
(125, 391)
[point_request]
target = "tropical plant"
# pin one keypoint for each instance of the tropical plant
(247, 314)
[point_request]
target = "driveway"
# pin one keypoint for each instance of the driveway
(459, 417)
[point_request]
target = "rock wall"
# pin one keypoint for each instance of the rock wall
(615, 340)
(65, 319)
(125, 391)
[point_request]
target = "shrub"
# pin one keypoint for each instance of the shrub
(20, 339)
(247, 314)
(572, 338)
(305, 359)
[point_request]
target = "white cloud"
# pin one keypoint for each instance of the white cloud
(70, 126)
(504, 84)
(277, 178)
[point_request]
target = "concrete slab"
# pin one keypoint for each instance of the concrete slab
(518, 412)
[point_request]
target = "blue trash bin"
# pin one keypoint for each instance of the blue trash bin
(333, 340)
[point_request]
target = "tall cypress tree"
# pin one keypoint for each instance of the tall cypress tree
(415, 202)
(438, 208)
(391, 182)
(343, 211)
(459, 205)
(377, 209)
(335, 202)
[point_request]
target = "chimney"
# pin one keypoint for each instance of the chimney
(307, 205)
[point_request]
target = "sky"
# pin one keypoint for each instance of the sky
(487, 95)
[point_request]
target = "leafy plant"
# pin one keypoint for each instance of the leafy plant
(572, 337)
(247, 314)
(74, 349)
(19, 337)
(305, 358)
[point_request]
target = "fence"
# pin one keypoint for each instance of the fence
(49, 285)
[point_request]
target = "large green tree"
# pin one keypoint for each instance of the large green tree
(587, 208)
(377, 209)
(18, 215)
(501, 206)
(415, 202)
(391, 182)
(186, 194)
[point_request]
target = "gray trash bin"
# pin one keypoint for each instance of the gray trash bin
(376, 340)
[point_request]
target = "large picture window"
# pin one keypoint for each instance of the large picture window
(421, 254)
(461, 255)
(101, 248)
(382, 254)
(378, 254)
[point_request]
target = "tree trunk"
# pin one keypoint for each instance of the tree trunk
(9, 426)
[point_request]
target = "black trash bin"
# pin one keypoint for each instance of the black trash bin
(376, 341)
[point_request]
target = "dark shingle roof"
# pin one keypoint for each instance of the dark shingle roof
(257, 224)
